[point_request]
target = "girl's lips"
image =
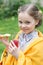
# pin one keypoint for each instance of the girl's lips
(24, 29)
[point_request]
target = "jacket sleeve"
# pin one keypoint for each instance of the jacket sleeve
(33, 56)
(7, 59)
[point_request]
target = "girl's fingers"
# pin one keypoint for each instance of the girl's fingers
(11, 48)
(13, 44)
(5, 42)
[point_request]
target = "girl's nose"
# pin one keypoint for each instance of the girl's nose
(23, 25)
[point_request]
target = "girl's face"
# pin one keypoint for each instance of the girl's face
(26, 22)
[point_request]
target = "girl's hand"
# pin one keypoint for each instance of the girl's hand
(4, 39)
(12, 49)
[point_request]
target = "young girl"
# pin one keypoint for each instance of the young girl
(30, 46)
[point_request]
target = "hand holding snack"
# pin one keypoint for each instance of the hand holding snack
(13, 48)
(4, 38)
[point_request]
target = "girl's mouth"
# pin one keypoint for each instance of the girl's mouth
(24, 29)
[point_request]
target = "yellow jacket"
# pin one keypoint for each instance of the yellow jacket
(33, 55)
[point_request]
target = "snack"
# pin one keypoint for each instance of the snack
(1, 36)
(8, 35)
(4, 35)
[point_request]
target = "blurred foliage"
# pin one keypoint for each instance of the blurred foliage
(9, 8)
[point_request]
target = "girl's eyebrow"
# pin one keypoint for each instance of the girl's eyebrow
(24, 21)
(20, 21)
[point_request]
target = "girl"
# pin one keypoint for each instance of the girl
(30, 46)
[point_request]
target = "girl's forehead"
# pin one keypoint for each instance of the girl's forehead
(25, 16)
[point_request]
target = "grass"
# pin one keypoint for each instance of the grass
(10, 25)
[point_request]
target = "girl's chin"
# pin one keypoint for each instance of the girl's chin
(26, 32)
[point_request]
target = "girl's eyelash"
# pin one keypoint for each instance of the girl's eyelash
(27, 22)
(20, 21)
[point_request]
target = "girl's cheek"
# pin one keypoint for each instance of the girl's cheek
(29, 26)
(19, 24)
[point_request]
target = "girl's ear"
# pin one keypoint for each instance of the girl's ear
(37, 21)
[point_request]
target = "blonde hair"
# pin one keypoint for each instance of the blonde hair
(33, 11)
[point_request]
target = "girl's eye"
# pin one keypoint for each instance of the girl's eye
(27, 22)
(20, 22)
